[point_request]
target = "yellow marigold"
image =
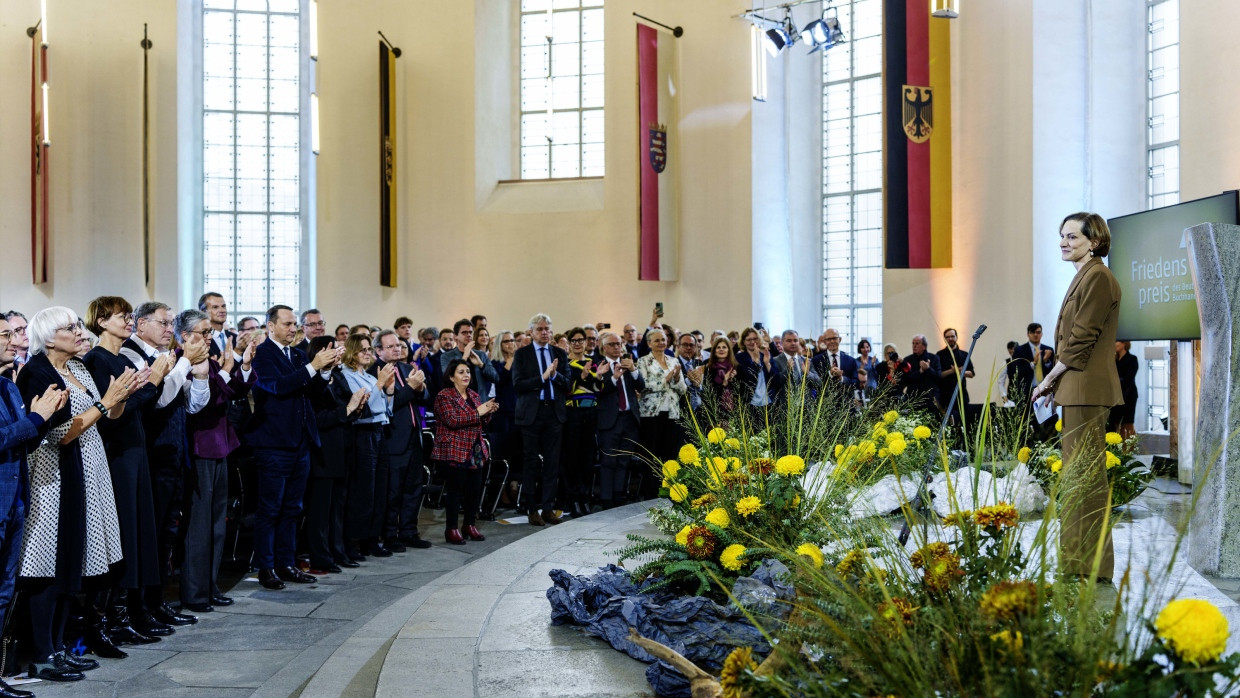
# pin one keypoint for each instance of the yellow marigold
(688, 454)
(703, 501)
(1023, 454)
(762, 466)
(732, 443)
(1195, 630)
(716, 435)
(665, 484)
(1059, 424)
(958, 517)
(921, 432)
(1007, 601)
(734, 668)
(897, 614)
(735, 464)
(796, 501)
(790, 465)
(930, 551)
(734, 479)
(747, 506)
(852, 563)
(880, 430)
(893, 437)
(1112, 460)
(897, 447)
(1114, 439)
(839, 450)
(883, 452)
(941, 572)
(891, 417)
(671, 469)
(730, 558)
(866, 450)
(677, 492)
(1056, 465)
(719, 517)
(1001, 515)
(683, 537)
(813, 552)
(1012, 642)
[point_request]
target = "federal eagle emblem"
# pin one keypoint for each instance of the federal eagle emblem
(918, 113)
(658, 147)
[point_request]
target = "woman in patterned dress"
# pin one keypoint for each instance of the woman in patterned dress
(660, 404)
(71, 526)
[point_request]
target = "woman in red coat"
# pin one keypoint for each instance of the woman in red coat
(460, 416)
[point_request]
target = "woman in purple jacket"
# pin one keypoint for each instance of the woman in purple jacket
(211, 439)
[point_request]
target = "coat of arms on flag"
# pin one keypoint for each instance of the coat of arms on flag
(918, 113)
(658, 147)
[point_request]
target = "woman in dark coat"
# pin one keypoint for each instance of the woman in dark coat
(335, 410)
(1124, 417)
(124, 440)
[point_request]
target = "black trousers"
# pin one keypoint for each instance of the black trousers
(205, 523)
(540, 481)
(618, 443)
(577, 454)
(404, 503)
(464, 492)
(661, 435)
(49, 611)
(368, 484)
(325, 497)
(166, 483)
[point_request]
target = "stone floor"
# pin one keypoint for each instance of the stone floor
(473, 620)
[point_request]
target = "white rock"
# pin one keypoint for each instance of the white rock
(883, 497)
(972, 488)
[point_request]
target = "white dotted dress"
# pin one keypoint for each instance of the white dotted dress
(102, 546)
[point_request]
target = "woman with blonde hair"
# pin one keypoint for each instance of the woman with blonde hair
(368, 481)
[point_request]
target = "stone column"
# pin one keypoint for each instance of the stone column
(1214, 533)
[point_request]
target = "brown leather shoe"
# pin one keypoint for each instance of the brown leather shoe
(536, 520)
(550, 517)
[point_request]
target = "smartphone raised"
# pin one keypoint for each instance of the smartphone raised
(658, 308)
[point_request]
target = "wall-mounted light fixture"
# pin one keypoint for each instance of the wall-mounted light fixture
(314, 30)
(314, 123)
(947, 9)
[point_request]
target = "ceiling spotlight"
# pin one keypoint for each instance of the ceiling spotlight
(779, 38)
(823, 33)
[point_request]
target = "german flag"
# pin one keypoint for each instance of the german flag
(917, 137)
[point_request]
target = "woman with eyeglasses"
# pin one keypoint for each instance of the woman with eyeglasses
(72, 536)
(368, 483)
(124, 442)
(502, 429)
(579, 445)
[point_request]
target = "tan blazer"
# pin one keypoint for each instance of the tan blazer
(1085, 338)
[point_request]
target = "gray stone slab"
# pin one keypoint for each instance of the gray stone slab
(443, 667)
(537, 579)
(355, 601)
(338, 671)
(452, 611)
(154, 685)
(232, 669)
(555, 673)
(523, 622)
(269, 604)
(249, 632)
(415, 580)
(138, 661)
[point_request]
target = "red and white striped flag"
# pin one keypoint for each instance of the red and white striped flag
(657, 129)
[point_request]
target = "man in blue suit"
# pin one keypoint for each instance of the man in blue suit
(19, 431)
(281, 433)
(836, 367)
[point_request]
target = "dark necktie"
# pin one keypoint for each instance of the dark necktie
(545, 362)
(624, 399)
(288, 354)
(401, 383)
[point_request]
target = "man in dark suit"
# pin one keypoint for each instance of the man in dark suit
(618, 416)
(1029, 365)
(952, 362)
(837, 368)
(541, 388)
(312, 325)
(403, 437)
(446, 342)
(281, 432)
(216, 308)
(795, 369)
(921, 384)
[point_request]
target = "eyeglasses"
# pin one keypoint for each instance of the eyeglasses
(577, 339)
(75, 327)
(688, 344)
(206, 334)
(6, 334)
(506, 341)
(366, 350)
(611, 344)
(19, 330)
(316, 324)
(161, 323)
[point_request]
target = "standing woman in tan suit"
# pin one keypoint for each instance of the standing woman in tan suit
(1085, 383)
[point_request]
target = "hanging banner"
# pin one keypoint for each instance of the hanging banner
(917, 172)
(657, 155)
(40, 229)
(387, 166)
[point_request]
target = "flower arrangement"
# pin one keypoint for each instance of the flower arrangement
(1128, 476)
(893, 444)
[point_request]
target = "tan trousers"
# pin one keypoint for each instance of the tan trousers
(1084, 493)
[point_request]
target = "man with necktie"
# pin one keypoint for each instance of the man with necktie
(618, 416)
(794, 368)
(693, 369)
(838, 368)
(403, 437)
(540, 413)
(281, 431)
(216, 308)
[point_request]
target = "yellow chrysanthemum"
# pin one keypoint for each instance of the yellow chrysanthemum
(883, 453)
(921, 432)
(1056, 465)
(796, 501)
(703, 501)
(747, 506)
(677, 492)
(1007, 601)
(891, 417)
(732, 443)
(897, 447)
(735, 464)
(683, 537)
(1112, 460)
(880, 430)
(790, 465)
(1059, 424)
(719, 517)
(665, 484)
(839, 449)
(1195, 630)
(1011, 642)
(734, 667)
(688, 454)
(1001, 515)
(1114, 439)
(866, 450)
(716, 435)
(671, 469)
(730, 558)
(853, 563)
(897, 614)
(1023, 454)
(893, 437)
(813, 552)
